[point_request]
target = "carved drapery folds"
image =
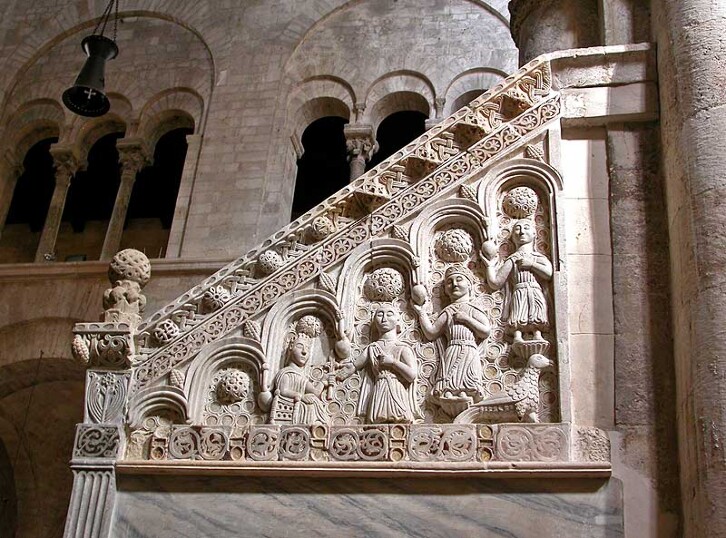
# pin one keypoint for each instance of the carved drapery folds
(410, 318)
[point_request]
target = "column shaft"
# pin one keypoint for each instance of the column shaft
(691, 63)
(65, 168)
(132, 158)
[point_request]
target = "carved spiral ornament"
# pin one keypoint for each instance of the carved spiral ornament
(130, 264)
(384, 284)
(520, 202)
(454, 245)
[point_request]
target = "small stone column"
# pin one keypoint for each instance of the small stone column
(439, 104)
(106, 350)
(361, 146)
(541, 26)
(66, 165)
(132, 157)
(9, 174)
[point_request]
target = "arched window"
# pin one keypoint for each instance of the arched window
(395, 132)
(29, 205)
(89, 204)
(153, 200)
(323, 168)
(465, 98)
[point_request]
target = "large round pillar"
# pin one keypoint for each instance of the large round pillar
(541, 26)
(691, 65)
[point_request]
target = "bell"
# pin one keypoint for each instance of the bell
(86, 97)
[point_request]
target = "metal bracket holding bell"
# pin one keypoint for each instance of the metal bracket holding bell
(86, 97)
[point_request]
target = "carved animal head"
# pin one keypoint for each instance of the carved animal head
(539, 361)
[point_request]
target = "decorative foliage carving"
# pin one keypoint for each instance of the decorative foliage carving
(544, 443)
(107, 345)
(96, 441)
(105, 396)
(454, 245)
(443, 443)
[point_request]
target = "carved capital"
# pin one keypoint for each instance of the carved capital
(133, 156)
(104, 345)
(66, 164)
(360, 142)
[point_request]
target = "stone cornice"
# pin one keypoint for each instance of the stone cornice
(26, 272)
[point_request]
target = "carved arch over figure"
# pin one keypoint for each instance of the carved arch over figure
(233, 349)
(449, 211)
(292, 306)
(541, 176)
(168, 402)
(379, 252)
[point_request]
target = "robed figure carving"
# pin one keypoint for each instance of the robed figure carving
(458, 382)
(389, 371)
(525, 305)
(296, 399)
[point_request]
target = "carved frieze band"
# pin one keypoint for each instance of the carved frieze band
(182, 345)
(379, 443)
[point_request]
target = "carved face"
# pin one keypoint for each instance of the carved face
(522, 232)
(299, 352)
(457, 285)
(386, 319)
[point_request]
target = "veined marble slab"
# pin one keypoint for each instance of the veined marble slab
(221, 507)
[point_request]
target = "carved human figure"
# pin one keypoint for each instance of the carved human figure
(525, 306)
(460, 372)
(388, 391)
(296, 399)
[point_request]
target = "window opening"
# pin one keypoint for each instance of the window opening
(395, 132)
(323, 169)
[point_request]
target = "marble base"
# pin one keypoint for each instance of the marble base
(256, 506)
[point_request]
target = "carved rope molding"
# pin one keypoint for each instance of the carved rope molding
(530, 87)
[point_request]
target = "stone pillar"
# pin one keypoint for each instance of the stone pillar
(361, 146)
(691, 63)
(106, 349)
(66, 165)
(541, 26)
(9, 174)
(132, 158)
(183, 199)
